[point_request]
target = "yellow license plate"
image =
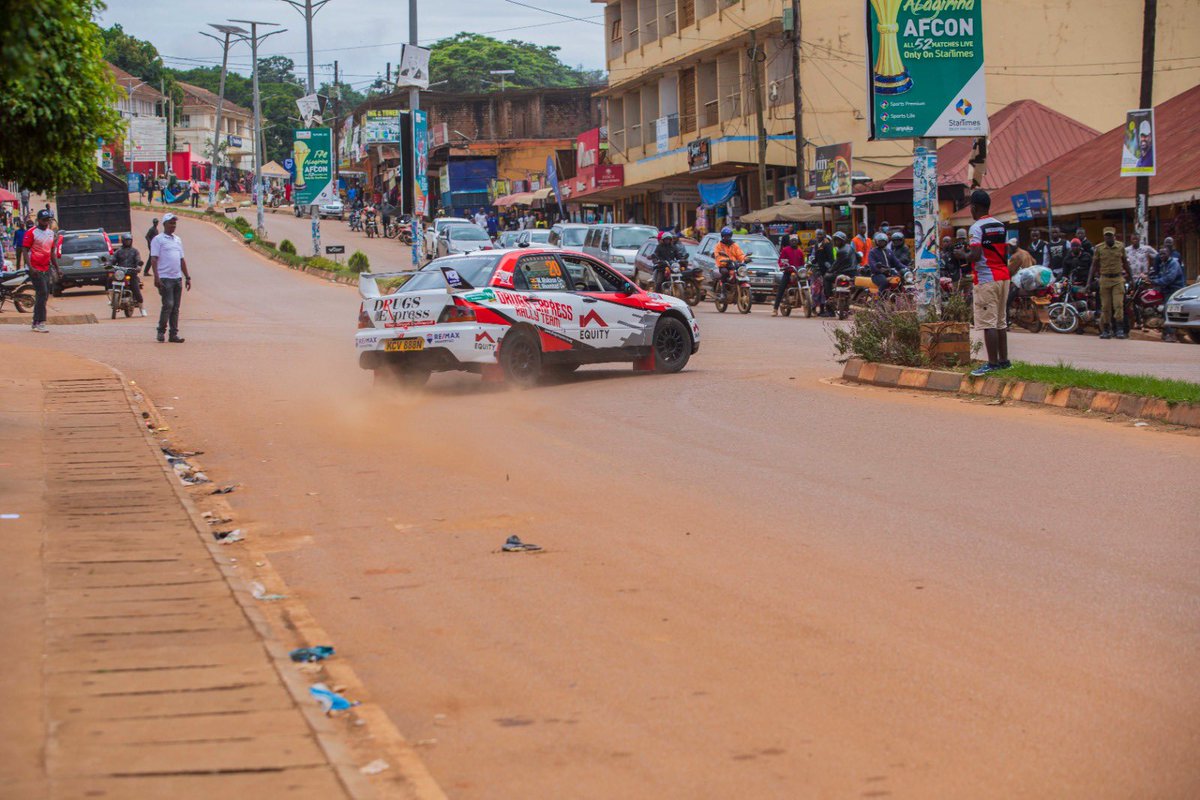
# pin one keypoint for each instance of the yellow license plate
(393, 345)
(87, 262)
(1042, 301)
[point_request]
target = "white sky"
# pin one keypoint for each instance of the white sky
(363, 35)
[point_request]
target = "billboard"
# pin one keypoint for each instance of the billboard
(925, 68)
(381, 126)
(587, 150)
(312, 152)
(832, 171)
(414, 67)
(699, 155)
(420, 123)
(925, 226)
(147, 139)
(1137, 147)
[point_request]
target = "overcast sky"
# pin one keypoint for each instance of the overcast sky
(363, 35)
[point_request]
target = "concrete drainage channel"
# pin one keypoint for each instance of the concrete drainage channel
(153, 638)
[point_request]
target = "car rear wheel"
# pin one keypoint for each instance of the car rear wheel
(672, 345)
(521, 357)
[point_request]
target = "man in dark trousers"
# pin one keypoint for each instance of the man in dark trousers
(150, 234)
(170, 277)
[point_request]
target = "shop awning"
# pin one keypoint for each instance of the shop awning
(515, 199)
(794, 209)
(272, 170)
(542, 194)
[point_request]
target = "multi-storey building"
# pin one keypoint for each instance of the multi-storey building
(197, 124)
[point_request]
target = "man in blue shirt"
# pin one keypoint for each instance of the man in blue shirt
(1167, 275)
(18, 243)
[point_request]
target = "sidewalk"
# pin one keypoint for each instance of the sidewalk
(133, 669)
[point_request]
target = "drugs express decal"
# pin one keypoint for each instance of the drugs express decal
(402, 311)
(925, 68)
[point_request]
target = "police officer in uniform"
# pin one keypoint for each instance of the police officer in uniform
(1112, 265)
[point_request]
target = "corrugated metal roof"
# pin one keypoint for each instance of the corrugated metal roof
(1092, 173)
(1024, 135)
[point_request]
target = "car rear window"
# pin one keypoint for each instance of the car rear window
(468, 233)
(626, 238)
(78, 243)
(573, 237)
(758, 248)
(474, 269)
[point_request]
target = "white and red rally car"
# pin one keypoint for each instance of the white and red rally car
(516, 314)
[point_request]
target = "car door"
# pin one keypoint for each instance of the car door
(542, 296)
(608, 316)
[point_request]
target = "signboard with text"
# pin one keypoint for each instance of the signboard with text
(147, 139)
(312, 153)
(381, 126)
(420, 123)
(832, 171)
(925, 76)
(699, 155)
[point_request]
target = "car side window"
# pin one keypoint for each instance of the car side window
(589, 276)
(541, 273)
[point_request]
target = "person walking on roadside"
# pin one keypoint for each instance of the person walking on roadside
(150, 234)
(194, 191)
(171, 277)
(986, 239)
(1110, 263)
(24, 203)
(18, 242)
(39, 244)
(1141, 257)
(150, 187)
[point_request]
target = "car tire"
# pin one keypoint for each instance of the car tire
(672, 344)
(521, 357)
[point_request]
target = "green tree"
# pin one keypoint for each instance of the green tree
(277, 69)
(59, 96)
(140, 59)
(464, 61)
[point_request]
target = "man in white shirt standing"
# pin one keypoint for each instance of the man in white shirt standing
(170, 277)
(481, 219)
(1141, 257)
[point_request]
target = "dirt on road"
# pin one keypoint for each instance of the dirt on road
(756, 582)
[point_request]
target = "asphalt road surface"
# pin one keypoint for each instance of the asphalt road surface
(757, 582)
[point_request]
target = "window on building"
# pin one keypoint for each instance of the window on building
(185, 121)
(615, 30)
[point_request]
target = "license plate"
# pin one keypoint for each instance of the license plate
(85, 262)
(1175, 308)
(394, 345)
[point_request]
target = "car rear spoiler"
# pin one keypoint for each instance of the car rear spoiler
(368, 282)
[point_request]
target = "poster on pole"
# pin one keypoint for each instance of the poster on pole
(382, 127)
(147, 140)
(420, 124)
(925, 68)
(1137, 148)
(925, 226)
(312, 153)
(414, 67)
(832, 171)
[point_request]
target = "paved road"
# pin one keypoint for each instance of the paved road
(758, 582)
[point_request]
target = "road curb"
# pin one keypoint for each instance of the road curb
(894, 377)
(61, 319)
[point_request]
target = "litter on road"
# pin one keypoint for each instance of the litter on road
(310, 654)
(374, 768)
(225, 489)
(229, 537)
(513, 544)
(330, 700)
(259, 592)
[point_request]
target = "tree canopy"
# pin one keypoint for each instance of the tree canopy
(465, 60)
(59, 97)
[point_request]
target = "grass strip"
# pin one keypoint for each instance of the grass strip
(1063, 375)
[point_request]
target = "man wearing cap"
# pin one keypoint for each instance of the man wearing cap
(170, 277)
(1112, 265)
(990, 301)
(1145, 145)
(41, 256)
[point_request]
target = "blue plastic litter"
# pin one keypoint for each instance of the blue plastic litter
(310, 654)
(329, 699)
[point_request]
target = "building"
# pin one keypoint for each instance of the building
(680, 74)
(1086, 188)
(197, 124)
(137, 100)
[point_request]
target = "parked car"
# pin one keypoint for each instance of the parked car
(533, 236)
(1183, 312)
(569, 235)
(430, 240)
(643, 262)
(617, 244)
(507, 239)
(82, 259)
(462, 238)
(762, 267)
(333, 208)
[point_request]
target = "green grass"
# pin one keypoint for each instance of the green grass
(1063, 375)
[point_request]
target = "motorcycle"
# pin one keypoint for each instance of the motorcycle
(798, 293)
(844, 291)
(1074, 309)
(1148, 304)
(120, 292)
(680, 280)
(18, 289)
(370, 224)
(739, 282)
(1030, 310)
(356, 220)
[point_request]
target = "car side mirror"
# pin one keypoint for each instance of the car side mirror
(628, 289)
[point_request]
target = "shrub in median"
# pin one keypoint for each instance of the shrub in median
(286, 246)
(320, 262)
(358, 262)
(242, 224)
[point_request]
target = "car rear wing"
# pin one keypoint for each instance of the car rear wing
(368, 283)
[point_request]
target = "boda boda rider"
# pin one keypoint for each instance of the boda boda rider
(820, 254)
(728, 255)
(127, 258)
(791, 258)
(881, 261)
(666, 251)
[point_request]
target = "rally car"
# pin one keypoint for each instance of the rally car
(516, 315)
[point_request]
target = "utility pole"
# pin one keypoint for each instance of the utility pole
(414, 104)
(261, 227)
(756, 76)
(308, 9)
(798, 100)
(1146, 100)
(337, 126)
(228, 30)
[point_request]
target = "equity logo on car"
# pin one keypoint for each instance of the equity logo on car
(589, 318)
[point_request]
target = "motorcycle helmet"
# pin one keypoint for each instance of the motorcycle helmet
(881, 238)
(840, 236)
(666, 236)
(819, 233)
(793, 240)
(726, 232)
(897, 237)
(126, 237)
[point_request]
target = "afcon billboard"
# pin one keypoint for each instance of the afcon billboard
(925, 68)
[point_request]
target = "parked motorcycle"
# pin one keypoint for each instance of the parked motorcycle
(798, 293)
(739, 285)
(1148, 304)
(1030, 310)
(1074, 309)
(15, 287)
(120, 292)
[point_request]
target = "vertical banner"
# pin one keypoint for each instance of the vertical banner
(420, 126)
(925, 68)
(832, 171)
(1137, 149)
(312, 153)
(925, 227)
(552, 179)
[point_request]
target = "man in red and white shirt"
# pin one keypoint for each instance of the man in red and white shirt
(989, 262)
(41, 255)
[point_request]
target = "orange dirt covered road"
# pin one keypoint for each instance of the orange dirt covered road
(757, 582)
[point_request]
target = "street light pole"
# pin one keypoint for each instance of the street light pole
(308, 9)
(261, 228)
(414, 104)
(228, 30)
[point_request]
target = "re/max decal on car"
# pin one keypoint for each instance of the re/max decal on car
(442, 337)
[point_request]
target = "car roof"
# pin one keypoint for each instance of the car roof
(83, 230)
